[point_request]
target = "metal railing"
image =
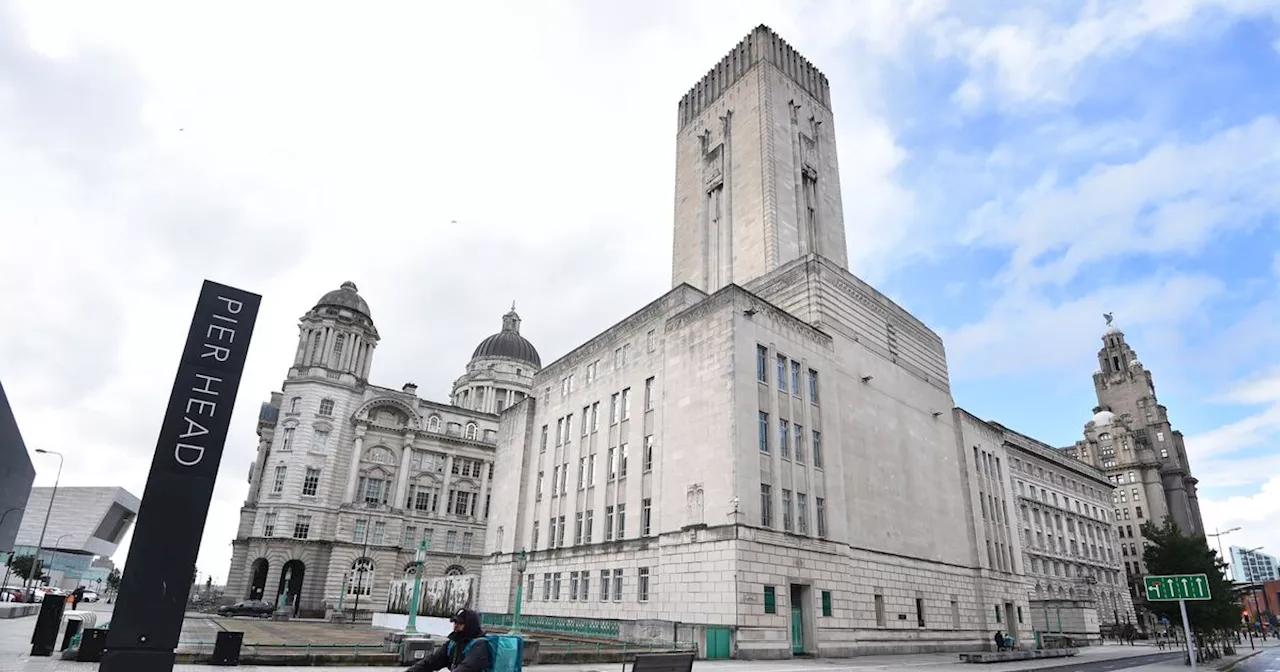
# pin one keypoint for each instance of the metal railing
(588, 627)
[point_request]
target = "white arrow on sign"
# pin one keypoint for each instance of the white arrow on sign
(1200, 585)
(1153, 590)
(1184, 587)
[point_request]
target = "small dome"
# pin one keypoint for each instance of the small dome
(346, 297)
(1102, 418)
(508, 343)
(1135, 364)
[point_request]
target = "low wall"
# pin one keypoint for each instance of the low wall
(18, 609)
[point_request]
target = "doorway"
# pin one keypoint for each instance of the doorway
(718, 644)
(1010, 621)
(799, 607)
(258, 584)
(291, 584)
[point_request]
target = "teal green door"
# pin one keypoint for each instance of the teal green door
(718, 644)
(797, 630)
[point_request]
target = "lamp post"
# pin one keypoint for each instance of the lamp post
(49, 511)
(411, 628)
(522, 563)
(9, 559)
(1219, 535)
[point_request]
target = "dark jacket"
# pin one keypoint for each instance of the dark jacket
(454, 655)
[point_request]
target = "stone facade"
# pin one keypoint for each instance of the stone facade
(351, 477)
(1131, 440)
(1046, 516)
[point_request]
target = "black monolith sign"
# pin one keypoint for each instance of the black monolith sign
(166, 538)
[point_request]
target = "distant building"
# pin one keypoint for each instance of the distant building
(1252, 566)
(85, 522)
(16, 475)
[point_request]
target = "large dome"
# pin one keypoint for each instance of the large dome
(508, 343)
(347, 297)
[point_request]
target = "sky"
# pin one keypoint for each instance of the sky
(1009, 173)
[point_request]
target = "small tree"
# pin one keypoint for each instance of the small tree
(113, 579)
(1172, 552)
(24, 566)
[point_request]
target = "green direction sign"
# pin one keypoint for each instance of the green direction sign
(1177, 587)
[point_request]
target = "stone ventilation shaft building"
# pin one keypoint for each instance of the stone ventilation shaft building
(1130, 439)
(764, 459)
(350, 477)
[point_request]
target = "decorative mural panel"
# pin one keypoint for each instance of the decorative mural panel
(442, 596)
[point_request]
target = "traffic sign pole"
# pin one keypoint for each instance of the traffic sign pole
(1186, 629)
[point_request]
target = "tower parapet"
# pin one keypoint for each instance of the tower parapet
(761, 45)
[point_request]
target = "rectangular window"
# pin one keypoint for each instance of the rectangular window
(817, 449)
(786, 510)
(451, 541)
(919, 612)
(762, 364)
(535, 535)
(626, 404)
(784, 439)
(591, 470)
(586, 422)
(286, 444)
(559, 431)
(642, 584)
(555, 586)
(302, 527)
(595, 416)
(646, 516)
(770, 601)
(326, 407)
(795, 378)
(813, 386)
(379, 533)
(537, 488)
(320, 441)
(955, 614)
(410, 539)
(648, 452)
(802, 513)
(620, 356)
(542, 442)
(560, 532)
(293, 404)
(821, 512)
(311, 482)
(608, 523)
(577, 528)
(613, 409)
(648, 394)
(555, 480)
(546, 587)
(799, 443)
(467, 539)
(277, 486)
(826, 603)
(766, 505)
(269, 525)
(763, 431)
(360, 531)
(880, 610)
(586, 528)
(617, 585)
(782, 373)
(605, 575)
(584, 593)
(613, 464)
(622, 521)
(573, 586)
(651, 340)
(582, 472)
(551, 532)
(592, 368)
(622, 460)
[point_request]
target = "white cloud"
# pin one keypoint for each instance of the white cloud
(1257, 515)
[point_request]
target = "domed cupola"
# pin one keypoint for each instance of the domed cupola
(508, 343)
(500, 373)
(337, 337)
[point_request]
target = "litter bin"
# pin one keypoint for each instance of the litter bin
(226, 648)
(92, 641)
(69, 633)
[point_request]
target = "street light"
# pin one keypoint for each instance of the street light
(48, 512)
(411, 628)
(522, 563)
(1219, 536)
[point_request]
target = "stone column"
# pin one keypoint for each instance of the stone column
(444, 483)
(402, 478)
(484, 489)
(353, 470)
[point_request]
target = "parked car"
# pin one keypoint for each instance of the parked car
(258, 608)
(89, 596)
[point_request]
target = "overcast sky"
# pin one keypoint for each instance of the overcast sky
(1008, 176)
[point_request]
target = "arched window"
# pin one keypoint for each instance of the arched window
(455, 570)
(380, 455)
(433, 423)
(470, 432)
(360, 582)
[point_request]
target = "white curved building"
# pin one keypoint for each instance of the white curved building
(350, 476)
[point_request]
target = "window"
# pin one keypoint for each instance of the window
(762, 364)
(293, 404)
(620, 356)
(764, 431)
(795, 378)
(592, 368)
(542, 443)
(642, 584)
(555, 480)
(302, 527)
(361, 577)
(433, 423)
(617, 585)
(462, 503)
(821, 511)
(622, 460)
(326, 407)
(626, 404)
(799, 447)
(410, 537)
(277, 485)
(784, 439)
(339, 340)
(534, 540)
(770, 600)
(559, 431)
(546, 586)
(880, 610)
(582, 472)
(586, 528)
(320, 441)
(648, 394)
(782, 373)
(651, 339)
(537, 491)
(360, 531)
(613, 409)
(595, 416)
(813, 386)
(591, 470)
(555, 586)
(786, 510)
(622, 521)
(286, 444)
(311, 482)
(648, 452)
(585, 592)
(608, 523)
(920, 612)
(451, 541)
(613, 464)
(817, 449)
(605, 575)
(802, 513)
(646, 516)
(467, 539)
(379, 533)
(577, 529)
(766, 505)
(269, 525)
(423, 498)
(826, 603)
(470, 432)
(586, 425)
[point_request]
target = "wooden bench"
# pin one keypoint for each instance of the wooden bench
(662, 662)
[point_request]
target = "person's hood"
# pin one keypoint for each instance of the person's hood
(471, 627)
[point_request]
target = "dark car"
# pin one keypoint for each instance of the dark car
(257, 608)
